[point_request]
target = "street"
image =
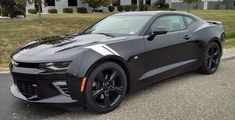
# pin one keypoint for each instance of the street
(188, 96)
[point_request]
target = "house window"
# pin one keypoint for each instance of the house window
(72, 2)
(148, 2)
(50, 2)
(133, 2)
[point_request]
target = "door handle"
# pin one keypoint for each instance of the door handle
(186, 37)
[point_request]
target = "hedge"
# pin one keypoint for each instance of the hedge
(52, 11)
(5, 13)
(19, 12)
(111, 8)
(32, 11)
(120, 8)
(82, 10)
(134, 7)
(127, 7)
(143, 7)
(67, 10)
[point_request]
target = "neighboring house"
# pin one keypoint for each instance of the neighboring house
(205, 4)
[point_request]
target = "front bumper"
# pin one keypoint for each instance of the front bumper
(55, 99)
(40, 86)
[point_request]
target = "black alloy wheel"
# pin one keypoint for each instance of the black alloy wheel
(211, 58)
(105, 87)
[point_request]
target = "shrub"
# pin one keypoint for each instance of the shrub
(52, 10)
(32, 11)
(133, 7)
(100, 10)
(143, 7)
(0, 11)
(127, 7)
(110, 8)
(5, 13)
(120, 8)
(166, 6)
(19, 12)
(67, 10)
(82, 10)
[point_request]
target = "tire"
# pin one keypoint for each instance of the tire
(211, 58)
(105, 87)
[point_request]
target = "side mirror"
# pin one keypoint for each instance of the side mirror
(157, 31)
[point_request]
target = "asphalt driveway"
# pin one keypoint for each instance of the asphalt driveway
(189, 96)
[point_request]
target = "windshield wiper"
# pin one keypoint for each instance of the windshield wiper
(106, 34)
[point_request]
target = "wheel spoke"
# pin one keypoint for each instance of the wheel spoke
(96, 94)
(97, 85)
(215, 53)
(116, 90)
(100, 77)
(107, 100)
(212, 49)
(210, 65)
(113, 76)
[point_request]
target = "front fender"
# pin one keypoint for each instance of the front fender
(91, 59)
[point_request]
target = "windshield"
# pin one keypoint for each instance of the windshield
(119, 25)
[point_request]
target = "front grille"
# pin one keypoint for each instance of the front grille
(27, 65)
(30, 90)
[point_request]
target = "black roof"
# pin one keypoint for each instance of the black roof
(152, 13)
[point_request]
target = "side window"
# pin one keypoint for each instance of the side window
(188, 20)
(171, 23)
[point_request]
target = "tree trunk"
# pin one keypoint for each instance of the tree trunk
(39, 12)
(188, 6)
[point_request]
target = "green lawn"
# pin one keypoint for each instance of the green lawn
(15, 33)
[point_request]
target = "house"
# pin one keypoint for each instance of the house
(57, 4)
(148, 2)
(74, 4)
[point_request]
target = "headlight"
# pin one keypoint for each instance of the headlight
(13, 63)
(55, 65)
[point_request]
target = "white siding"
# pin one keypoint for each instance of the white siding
(29, 6)
(125, 2)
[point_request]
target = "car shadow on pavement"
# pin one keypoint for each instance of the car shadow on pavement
(24, 110)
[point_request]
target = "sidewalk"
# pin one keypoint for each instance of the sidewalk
(227, 53)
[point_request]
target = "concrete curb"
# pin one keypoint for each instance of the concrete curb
(4, 72)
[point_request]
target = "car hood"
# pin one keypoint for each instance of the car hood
(53, 45)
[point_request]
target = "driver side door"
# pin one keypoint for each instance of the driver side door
(172, 53)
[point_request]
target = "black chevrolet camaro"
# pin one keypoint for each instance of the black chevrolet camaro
(119, 54)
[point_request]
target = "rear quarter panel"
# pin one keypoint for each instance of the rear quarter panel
(206, 31)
